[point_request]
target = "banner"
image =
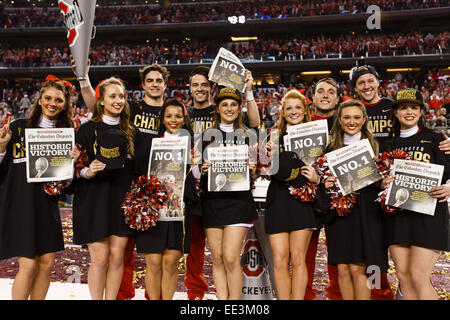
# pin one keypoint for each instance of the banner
(413, 180)
(353, 166)
(227, 70)
(78, 18)
(256, 284)
(229, 169)
(168, 158)
(48, 154)
(308, 140)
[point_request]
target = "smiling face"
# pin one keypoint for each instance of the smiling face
(293, 111)
(408, 114)
(351, 120)
(325, 97)
(173, 118)
(113, 100)
(200, 89)
(367, 88)
(229, 110)
(52, 103)
(154, 85)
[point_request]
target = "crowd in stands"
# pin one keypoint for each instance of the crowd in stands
(204, 12)
(265, 49)
(16, 102)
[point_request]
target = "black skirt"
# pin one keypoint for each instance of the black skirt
(30, 222)
(284, 213)
(360, 237)
(416, 229)
(224, 208)
(164, 235)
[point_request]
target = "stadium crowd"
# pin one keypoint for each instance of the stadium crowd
(186, 51)
(204, 12)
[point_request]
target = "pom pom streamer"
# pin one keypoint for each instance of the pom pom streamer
(56, 188)
(144, 200)
(306, 193)
(342, 204)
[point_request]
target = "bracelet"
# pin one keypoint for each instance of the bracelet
(249, 96)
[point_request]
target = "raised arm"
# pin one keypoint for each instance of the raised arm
(252, 109)
(87, 92)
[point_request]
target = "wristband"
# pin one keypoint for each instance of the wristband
(85, 83)
(249, 96)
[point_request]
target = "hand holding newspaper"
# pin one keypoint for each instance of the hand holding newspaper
(227, 70)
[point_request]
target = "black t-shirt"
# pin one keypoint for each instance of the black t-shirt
(202, 119)
(145, 117)
(379, 119)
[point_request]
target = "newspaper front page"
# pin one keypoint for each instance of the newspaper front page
(168, 158)
(353, 166)
(227, 70)
(229, 169)
(308, 140)
(48, 154)
(413, 180)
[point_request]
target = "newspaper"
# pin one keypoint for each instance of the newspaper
(308, 140)
(168, 158)
(229, 169)
(353, 166)
(413, 180)
(48, 154)
(227, 70)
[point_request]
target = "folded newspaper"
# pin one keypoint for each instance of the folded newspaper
(227, 70)
(308, 140)
(48, 154)
(168, 158)
(229, 169)
(353, 166)
(413, 180)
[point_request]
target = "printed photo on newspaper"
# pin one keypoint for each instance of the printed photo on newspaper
(229, 169)
(308, 140)
(168, 159)
(48, 154)
(227, 70)
(353, 166)
(413, 180)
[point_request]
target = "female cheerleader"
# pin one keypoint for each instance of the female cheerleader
(30, 223)
(164, 243)
(97, 217)
(288, 221)
(415, 239)
(356, 241)
(227, 215)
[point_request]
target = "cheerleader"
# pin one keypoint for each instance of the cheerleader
(164, 244)
(97, 217)
(356, 241)
(30, 223)
(227, 215)
(288, 221)
(415, 240)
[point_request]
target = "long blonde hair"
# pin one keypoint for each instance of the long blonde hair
(337, 133)
(124, 123)
(292, 94)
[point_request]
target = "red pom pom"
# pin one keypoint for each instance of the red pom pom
(56, 188)
(306, 193)
(82, 161)
(144, 199)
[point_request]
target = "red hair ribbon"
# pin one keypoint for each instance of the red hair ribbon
(51, 77)
(97, 88)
